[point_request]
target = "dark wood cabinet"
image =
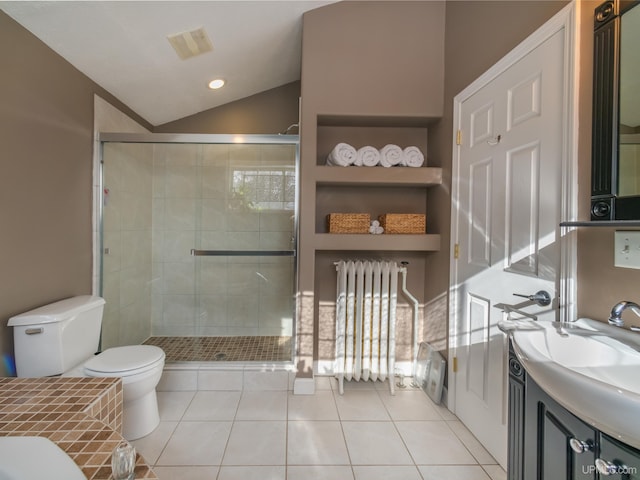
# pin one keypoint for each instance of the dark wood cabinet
(547, 442)
(564, 444)
(621, 460)
(515, 433)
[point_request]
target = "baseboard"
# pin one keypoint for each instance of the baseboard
(304, 386)
(325, 367)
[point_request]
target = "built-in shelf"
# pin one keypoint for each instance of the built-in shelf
(602, 223)
(385, 242)
(396, 121)
(378, 176)
(372, 190)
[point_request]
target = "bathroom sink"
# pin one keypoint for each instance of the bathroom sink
(590, 367)
(578, 347)
(30, 458)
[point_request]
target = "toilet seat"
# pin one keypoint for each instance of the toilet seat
(125, 361)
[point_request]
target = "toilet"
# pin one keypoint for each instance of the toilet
(62, 339)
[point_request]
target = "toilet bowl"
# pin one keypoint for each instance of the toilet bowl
(140, 367)
(61, 339)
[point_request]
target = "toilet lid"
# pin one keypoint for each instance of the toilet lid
(120, 360)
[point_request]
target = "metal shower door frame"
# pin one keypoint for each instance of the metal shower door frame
(186, 138)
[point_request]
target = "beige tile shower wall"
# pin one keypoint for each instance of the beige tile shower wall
(127, 239)
(106, 118)
(195, 206)
(174, 197)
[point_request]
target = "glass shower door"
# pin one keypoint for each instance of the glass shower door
(245, 262)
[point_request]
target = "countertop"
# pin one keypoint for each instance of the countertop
(82, 415)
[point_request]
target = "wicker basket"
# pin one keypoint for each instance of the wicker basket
(403, 222)
(348, 222)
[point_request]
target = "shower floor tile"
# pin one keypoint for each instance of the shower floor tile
(224, 349)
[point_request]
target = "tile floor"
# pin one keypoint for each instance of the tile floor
(224, 349)
(275, 435)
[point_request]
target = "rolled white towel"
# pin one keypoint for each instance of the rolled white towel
(412, 157)
(390, 155)
(375, 228)
(367, 156)
(342, 155)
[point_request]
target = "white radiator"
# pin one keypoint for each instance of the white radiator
(366, 300)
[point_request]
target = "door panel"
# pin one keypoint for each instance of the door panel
(478, 347)
(523, 165)
(481, 124)
(524, 101)
(480, 175)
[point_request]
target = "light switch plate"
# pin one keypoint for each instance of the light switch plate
(627, 249)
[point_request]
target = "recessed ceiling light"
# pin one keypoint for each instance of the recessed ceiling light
(215, 84)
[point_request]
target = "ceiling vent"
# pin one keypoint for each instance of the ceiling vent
(190, 44)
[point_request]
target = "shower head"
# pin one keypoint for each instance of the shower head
(288, 130)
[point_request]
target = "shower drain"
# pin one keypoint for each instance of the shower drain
(220, 356)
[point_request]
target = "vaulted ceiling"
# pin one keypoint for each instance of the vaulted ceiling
(123, 46)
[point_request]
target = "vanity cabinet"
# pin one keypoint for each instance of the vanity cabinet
(547, 442)
(564, 445)
(515, 433)
(622, 460)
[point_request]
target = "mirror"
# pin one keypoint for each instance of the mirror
(629, 129)
(615, 172)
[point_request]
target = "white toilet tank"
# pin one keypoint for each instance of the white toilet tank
(53, 339)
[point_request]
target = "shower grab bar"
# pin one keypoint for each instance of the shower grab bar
(242, 253)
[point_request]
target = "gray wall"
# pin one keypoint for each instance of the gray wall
(268, 112)
(600, 284)
(470, 51)
(46, 131)
(377, 59)
(477, 35)
(440, 49)
(46, 138)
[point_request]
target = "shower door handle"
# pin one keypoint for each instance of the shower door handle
(242, 253)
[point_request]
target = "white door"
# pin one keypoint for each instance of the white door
(508, 208)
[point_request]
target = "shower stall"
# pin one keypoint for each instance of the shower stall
(199, 244)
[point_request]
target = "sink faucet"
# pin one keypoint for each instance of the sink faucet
(616, 312)
(561, 330)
